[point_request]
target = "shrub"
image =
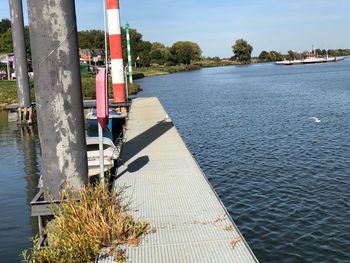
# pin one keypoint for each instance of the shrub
(81, 228)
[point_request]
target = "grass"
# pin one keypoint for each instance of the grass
(89, 85)
(80, 229)
(213, 63)
(8, 89)
(164, 70)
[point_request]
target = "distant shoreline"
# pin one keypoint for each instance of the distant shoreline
(159, 70)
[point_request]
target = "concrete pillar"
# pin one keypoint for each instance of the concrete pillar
(8, 67)
(17, 25)
(60, 117)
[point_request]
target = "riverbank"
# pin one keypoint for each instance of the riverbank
(8, 92)
(166, 70)
(8, 89)
(217, 63)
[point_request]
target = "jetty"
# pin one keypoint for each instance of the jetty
(165, 186)
(161, 181)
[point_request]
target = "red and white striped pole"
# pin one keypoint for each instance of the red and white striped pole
(115, 43)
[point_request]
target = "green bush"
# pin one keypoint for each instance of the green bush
(81, 228)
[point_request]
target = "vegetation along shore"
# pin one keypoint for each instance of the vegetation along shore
(8, 89)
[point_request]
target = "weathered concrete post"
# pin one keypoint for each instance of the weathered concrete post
(8, 67)
(20, 58)
(54, 44)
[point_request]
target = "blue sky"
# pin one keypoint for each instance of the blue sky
(215, 24)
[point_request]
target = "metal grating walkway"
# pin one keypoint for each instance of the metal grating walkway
(166, 187)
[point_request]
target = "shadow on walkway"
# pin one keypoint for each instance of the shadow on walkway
(141, 141)
(135, 165)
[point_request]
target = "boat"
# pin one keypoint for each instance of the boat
(110, 154)
(310, 58)
(115, 124)
(112, 140)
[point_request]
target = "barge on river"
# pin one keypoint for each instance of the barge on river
(309, 59)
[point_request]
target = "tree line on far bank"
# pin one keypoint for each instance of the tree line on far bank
(292, 55)
(243, 51)
(144, 53)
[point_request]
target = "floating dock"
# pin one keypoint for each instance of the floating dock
(88, 104)
(166, 187)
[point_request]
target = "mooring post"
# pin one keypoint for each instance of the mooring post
(60, 116)
(126, 82)
(128, 45)
(19, 112)
(116, 54)
(20, 57)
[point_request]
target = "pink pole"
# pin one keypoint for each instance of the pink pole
(101, 98)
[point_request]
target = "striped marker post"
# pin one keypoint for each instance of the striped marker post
(129, 52)
(115, 43)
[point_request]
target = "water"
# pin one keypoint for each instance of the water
(283, 177)
(19, 173)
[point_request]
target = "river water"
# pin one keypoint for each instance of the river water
(284, 178)
(19, 174)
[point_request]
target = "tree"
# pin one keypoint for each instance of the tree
(27, 42)
(6, 42)
(275, 56)
(184, 52)
(5, 25)
(144, 53)
(291, 55)
(90, 39)
(270, 56)
(159, 53)
(242, 50)
(318, 51)
(136, 43)
(157, 45)
(264, 56)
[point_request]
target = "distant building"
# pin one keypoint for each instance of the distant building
(92, 55)
(10, 56)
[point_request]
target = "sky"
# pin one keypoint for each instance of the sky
(279, 25)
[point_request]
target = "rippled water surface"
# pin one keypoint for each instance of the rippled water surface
(284, 178)
(19, 173)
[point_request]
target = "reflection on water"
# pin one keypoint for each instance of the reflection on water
(19, 173)
(28, 141)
